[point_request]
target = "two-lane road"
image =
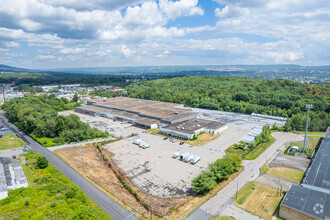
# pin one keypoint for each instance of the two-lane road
(111, 207)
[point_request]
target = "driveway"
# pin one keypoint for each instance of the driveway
(219, 202)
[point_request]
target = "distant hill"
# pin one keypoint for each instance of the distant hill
(173, 69)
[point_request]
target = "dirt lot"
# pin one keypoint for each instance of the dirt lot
(88, 161)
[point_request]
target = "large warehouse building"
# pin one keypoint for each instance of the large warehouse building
(140, 112)
(171, 117)
(311, 199)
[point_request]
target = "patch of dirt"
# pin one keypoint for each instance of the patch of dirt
(87, 160)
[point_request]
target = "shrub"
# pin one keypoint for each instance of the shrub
(42, 162)
(26, 203)
(70, 194)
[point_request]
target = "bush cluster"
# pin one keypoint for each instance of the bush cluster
(218, 171)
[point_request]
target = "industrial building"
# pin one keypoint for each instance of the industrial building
(140, 112)
(311, 199)
(188, 128)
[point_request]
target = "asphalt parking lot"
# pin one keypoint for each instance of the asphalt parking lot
(154, 170)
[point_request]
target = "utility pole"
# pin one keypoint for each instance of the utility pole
(164, 196)
(308, 106)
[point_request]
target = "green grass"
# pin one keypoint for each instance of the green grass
(221, 218)
(152, 131)
(7, 143)
(250, 155)
(245, 193)
(286, 173)
(259, 149)
(311, 142)
(321, 133)
(50, 195)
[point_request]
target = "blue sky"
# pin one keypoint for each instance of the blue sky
(104, 33)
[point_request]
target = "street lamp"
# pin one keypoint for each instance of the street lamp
(308, 106)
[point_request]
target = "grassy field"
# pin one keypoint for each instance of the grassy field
(259, 199)
(286, 173)
(7, 143)
(50, 195)
(311, 142)
(202, 139)
(152, 131)
(221, 218)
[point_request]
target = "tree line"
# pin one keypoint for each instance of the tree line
(37, 116)
(218, 171)
(277, 97)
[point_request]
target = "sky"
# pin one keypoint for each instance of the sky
(44, 34)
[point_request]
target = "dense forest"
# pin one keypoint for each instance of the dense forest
(37, 116)
(277, 97)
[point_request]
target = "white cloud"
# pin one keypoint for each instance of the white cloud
(71, 50)
(46, 57)
(126, 51)
(11, 44)
(174, 9)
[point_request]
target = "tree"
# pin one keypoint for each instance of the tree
(221, 168)
(75, 98)
(42, 162)
(204, 182)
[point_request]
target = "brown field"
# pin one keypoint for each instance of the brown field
(202, 139)
(255, 197)
(88, 161)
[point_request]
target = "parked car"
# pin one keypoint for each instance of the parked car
(181, 143)
(165, 138)
(14, 157)
(176, 155)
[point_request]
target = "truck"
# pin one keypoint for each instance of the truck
(195, 159)
(183, 155)
(188, 158)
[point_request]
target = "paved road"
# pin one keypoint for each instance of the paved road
(112, 208)
(221, 200)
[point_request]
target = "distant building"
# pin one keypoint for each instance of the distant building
(311, 199)
(188, 128)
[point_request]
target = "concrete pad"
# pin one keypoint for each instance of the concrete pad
(298, 163)
(274, 181)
